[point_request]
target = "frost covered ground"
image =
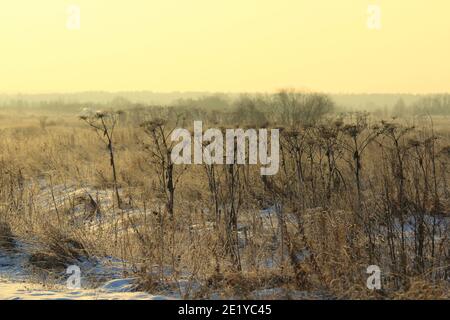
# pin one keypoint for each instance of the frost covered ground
(17, 284)
(115, 290)
(106, 277)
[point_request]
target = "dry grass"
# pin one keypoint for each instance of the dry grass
(323, 241)
(57, 251)
(6, 237)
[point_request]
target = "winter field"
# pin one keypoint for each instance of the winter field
(97, 192)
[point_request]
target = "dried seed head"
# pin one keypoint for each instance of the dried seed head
(100, 114)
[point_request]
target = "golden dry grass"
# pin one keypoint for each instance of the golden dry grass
(41, 163)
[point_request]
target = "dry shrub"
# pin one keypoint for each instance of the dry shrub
(6, 237)
(59, 250)
(242, 284)
(147, 283)
(420, 289)
(46, 261)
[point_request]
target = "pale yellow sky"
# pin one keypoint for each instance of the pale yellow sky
(225, 45)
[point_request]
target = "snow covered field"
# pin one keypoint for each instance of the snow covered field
(16, 283)
(116, 290)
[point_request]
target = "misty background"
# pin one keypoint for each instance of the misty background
(382, 105)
